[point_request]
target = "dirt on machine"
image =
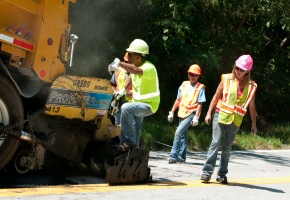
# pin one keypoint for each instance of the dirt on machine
(47, 115)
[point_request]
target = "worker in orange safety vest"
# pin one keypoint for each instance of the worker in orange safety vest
(191, 95)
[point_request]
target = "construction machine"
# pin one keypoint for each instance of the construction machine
(47, 115)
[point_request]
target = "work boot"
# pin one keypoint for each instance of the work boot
(125, 147)
(205, 178)
(172, 161)
(180, 161)
(222, 179)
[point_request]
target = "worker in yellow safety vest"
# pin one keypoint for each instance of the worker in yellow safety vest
(145, 93)
(191, 95)
(235, 93)
(118, 81)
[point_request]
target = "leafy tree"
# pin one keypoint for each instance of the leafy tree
(211, 33)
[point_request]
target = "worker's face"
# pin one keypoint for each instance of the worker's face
(133, 58)
(193, 78)
(240, 73)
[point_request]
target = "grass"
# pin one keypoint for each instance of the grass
(159, 136)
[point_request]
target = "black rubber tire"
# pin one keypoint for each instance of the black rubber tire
(98, 168)
(11, 104)
(20, 153)
(85, 167)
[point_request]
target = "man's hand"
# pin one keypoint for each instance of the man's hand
(207, 119)
(170, 117)
(194, 121)
(114, 66)
(120, 93)
(254, 129)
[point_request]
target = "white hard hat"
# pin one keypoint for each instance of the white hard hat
(139, 46)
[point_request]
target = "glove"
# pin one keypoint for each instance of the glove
(194, 121)
(114, 66)
(170, 117)
(114, 106)
(120, 93)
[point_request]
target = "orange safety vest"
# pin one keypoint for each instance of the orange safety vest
(120, 78)
(188, 103)
(231, 108)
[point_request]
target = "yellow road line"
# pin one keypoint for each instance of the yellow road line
(85, 188)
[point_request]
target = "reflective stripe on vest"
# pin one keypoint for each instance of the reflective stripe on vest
(241, 110)
(188, 103)
(230, 104)
(230, 109)
(139, 96)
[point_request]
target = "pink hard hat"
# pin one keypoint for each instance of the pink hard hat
(245, 62)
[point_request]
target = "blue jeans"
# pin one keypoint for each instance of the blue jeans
(132, 115)
(178, 150)
(230, 131)
(117, 117)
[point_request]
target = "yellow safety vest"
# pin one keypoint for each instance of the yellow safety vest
(146, 86)
(231, 108)
(188, 103)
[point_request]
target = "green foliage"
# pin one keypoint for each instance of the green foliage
(280, 131)
(155, 133)
(199, 137)
(245, 141)
(211, 33)
(159, 136)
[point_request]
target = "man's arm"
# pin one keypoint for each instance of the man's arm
(175, 105)
(215, 98)
(253, 114)
(131, 68)
(198, 110)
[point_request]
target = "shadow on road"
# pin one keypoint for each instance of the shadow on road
(265, 156)
(249, 186)
(32, 180)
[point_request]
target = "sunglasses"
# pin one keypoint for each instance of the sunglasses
(239, 69)
(190, 74)
(131, 54)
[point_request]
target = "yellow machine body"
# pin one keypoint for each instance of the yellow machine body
(84, 98)
(47, 115)
(36, 34)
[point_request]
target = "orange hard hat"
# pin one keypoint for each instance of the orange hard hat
(194, 69)
(126, 57)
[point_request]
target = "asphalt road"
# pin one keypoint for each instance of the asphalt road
(252, 175)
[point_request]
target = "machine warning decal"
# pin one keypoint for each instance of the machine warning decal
(94, 100)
